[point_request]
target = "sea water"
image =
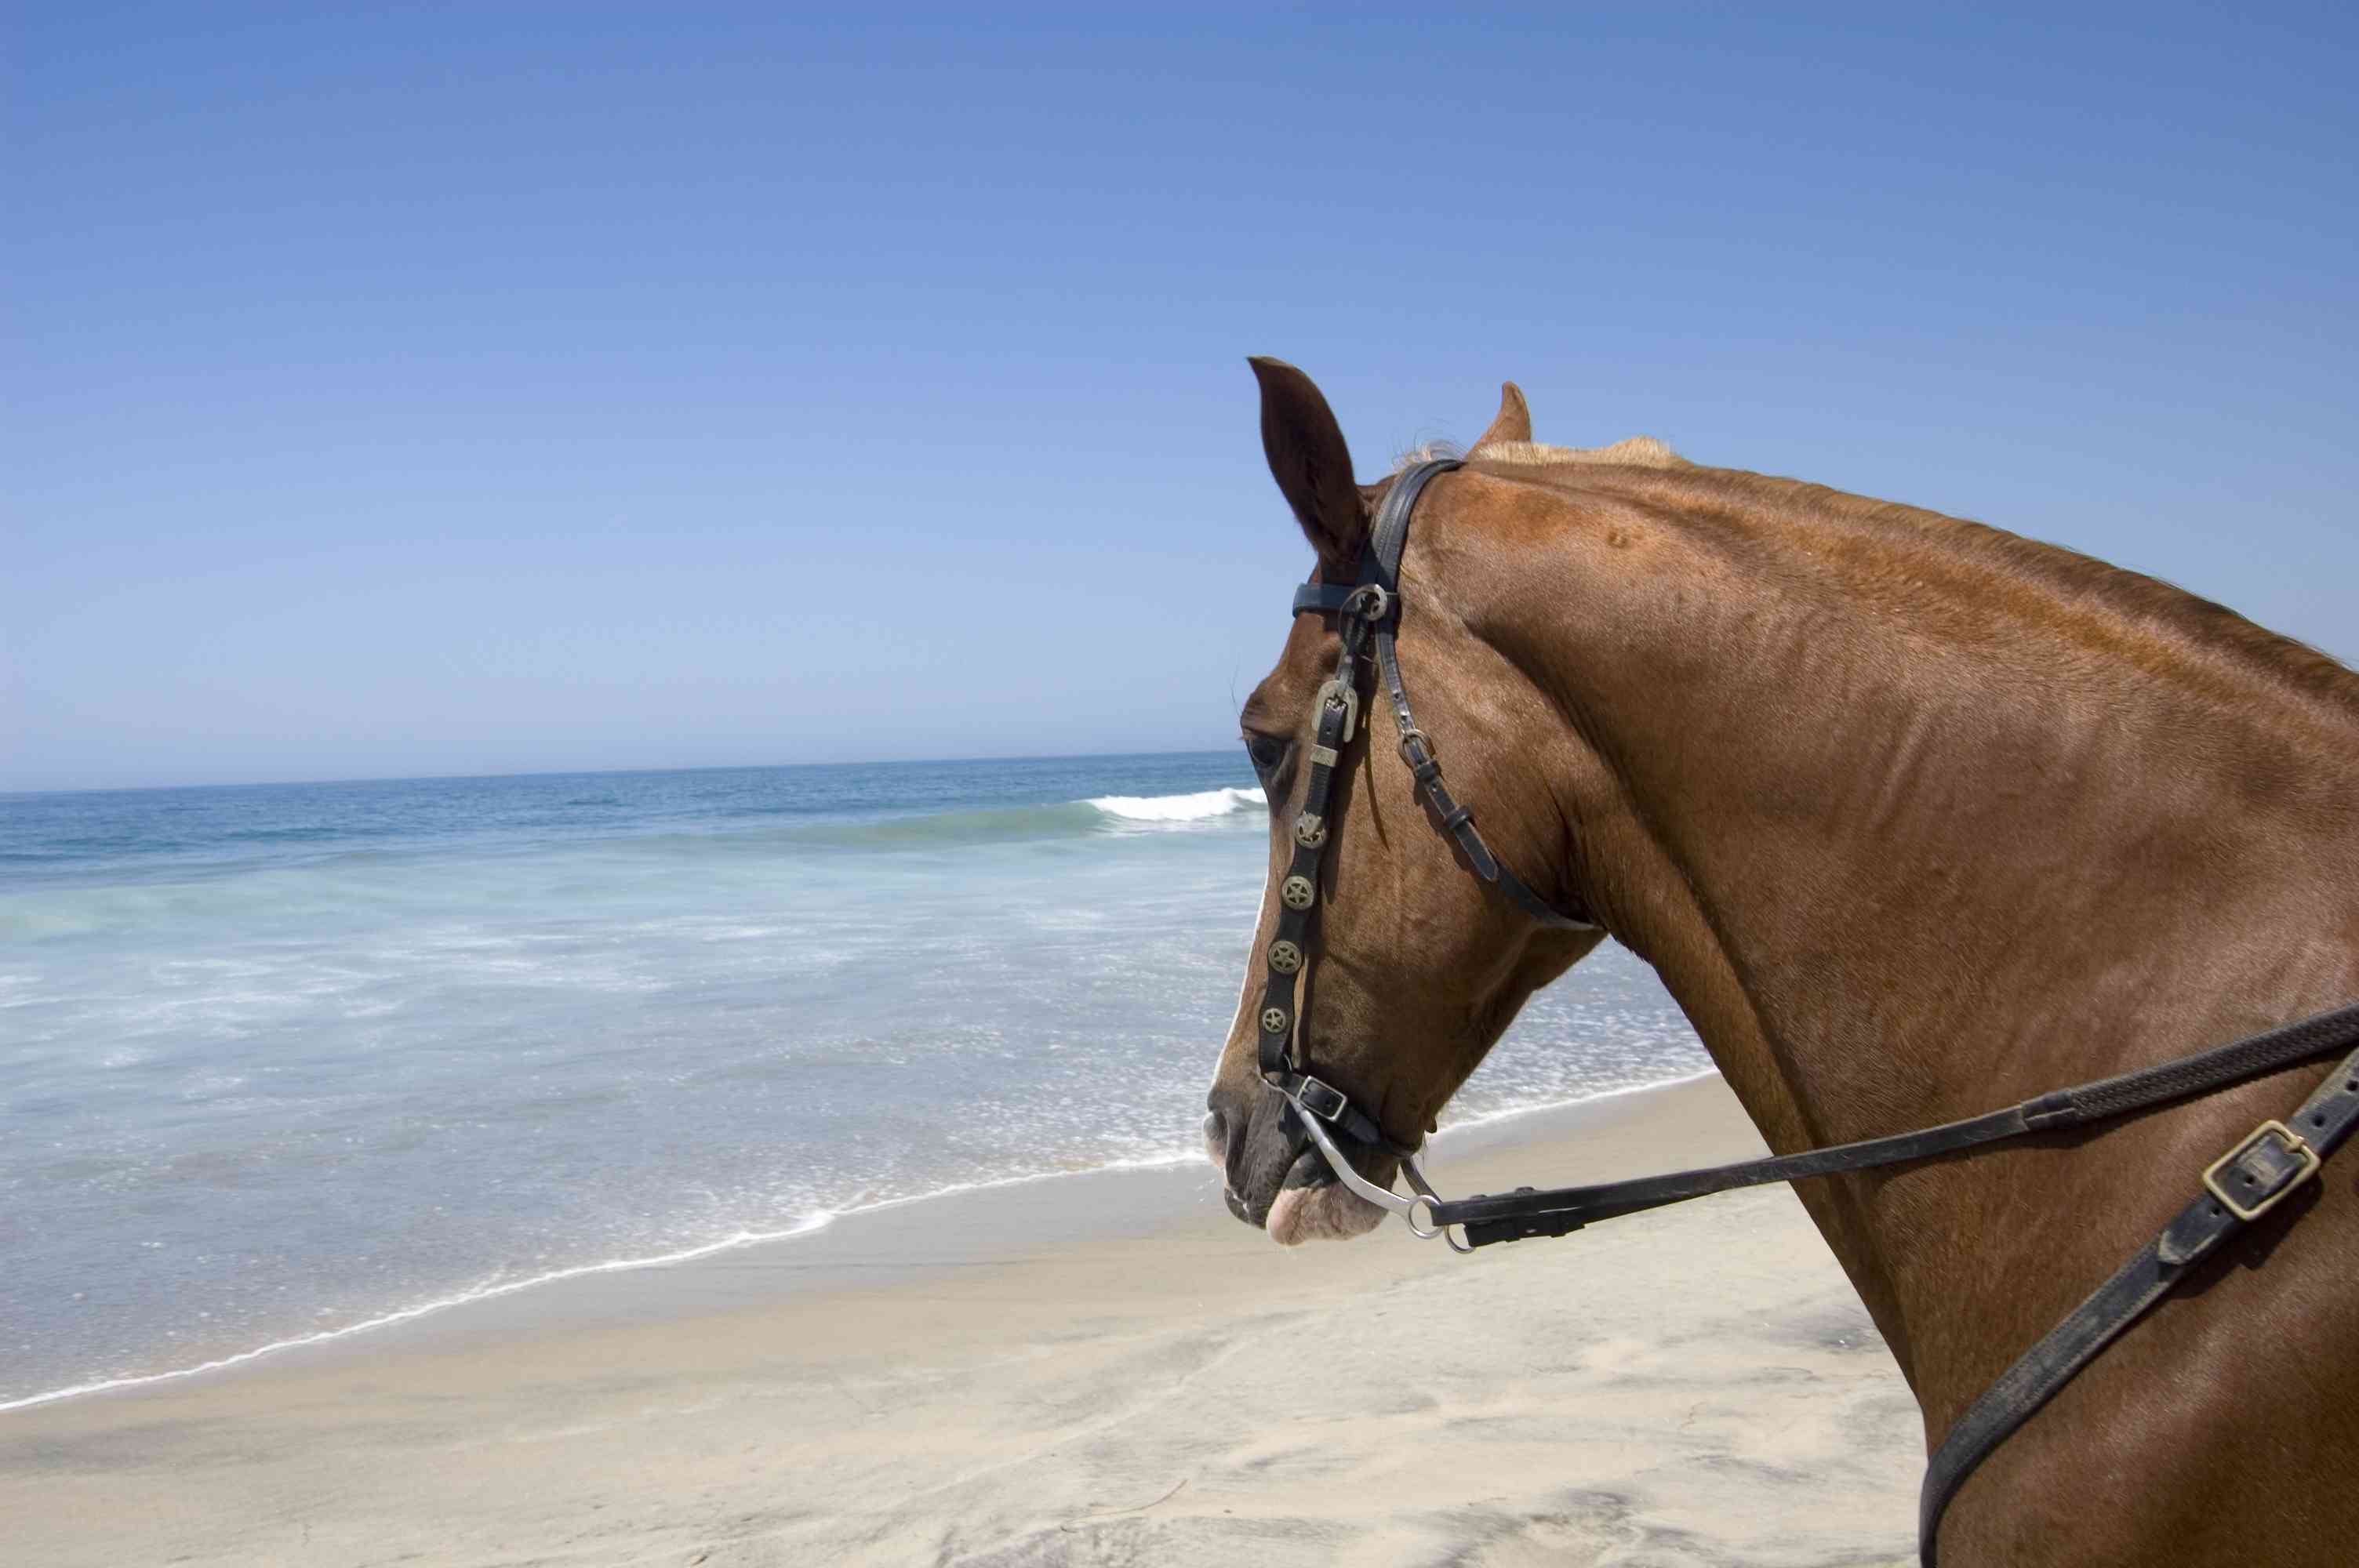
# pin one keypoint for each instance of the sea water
(281, 1062)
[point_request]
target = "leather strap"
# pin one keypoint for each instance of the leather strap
(1523, 1214)
(1370, 605)
(1324, 597)
(1282, 1044)
(2238, 1189)
(1380, 569)
(1280, 1049)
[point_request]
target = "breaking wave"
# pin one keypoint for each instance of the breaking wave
(1178, 807)
(1073, 818)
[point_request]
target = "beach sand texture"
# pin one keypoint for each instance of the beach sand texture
(1105, 1369)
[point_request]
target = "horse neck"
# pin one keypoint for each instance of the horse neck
(1912, 833)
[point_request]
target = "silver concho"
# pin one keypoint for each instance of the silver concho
(1273, 1020)
(1296, 892)
(1285, 958)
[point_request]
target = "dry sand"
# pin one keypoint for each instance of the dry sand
(1098, 1370)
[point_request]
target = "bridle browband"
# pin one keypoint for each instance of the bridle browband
(2237, 1189)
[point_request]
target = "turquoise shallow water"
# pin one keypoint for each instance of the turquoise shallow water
(284, 1060)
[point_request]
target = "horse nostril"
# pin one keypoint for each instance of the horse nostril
(1216, 1140)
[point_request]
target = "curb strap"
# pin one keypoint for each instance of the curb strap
(2239, 1187)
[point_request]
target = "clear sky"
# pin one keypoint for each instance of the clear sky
(483, 389)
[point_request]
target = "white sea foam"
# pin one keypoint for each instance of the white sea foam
(741, 1238)
(730, 1243)
(318, 1096)
(493, 1291)
(424, 1309)
(1195, 807)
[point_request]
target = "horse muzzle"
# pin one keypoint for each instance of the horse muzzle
(1276, 1178)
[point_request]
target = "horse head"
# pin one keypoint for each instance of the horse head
(1412, 968)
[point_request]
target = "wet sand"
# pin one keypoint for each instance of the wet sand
(1100, 1369)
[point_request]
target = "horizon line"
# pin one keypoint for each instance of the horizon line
(10, 794)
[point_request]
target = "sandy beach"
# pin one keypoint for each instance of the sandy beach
(1104, 1369)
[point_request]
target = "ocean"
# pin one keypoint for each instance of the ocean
(293, 1061)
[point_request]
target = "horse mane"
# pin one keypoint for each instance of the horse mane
(1631, 451)
(1646, 471)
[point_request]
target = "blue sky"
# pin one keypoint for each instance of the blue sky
(492, 389)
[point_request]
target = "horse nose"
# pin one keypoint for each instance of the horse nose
(1227, 1119)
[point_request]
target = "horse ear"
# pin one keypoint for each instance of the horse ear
(1515, 420)
(1309, 461)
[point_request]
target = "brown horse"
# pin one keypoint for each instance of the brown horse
(1915, 818)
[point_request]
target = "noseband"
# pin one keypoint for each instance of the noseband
(2244, 1183)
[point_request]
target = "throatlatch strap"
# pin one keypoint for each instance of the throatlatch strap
(1380, 567)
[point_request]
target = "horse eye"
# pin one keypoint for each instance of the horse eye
(1266, 752)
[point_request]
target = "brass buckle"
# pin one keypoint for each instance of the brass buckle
(1339, 693)
(2295, 1145)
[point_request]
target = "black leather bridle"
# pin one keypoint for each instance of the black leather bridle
(2237, 1189)
(1366, 612)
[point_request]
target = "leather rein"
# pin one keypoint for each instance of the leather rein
(2235, 1190)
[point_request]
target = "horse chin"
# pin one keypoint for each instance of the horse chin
(1314, 1206)
(1320, 1214)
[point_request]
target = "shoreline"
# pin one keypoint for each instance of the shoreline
(1451, 1137)
(1064, 1372)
